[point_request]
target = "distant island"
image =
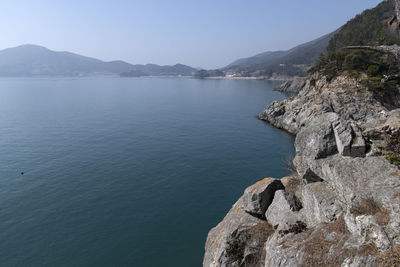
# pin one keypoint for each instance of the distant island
(34, 60)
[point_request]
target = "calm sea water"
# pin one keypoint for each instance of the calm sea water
(127, 172)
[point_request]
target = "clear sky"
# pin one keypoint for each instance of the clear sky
(201, 33)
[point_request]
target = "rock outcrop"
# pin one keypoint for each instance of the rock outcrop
(293, 86)
(341, 207)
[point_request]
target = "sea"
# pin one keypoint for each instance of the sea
(110, 171)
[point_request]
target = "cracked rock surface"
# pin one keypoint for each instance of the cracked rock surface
(340, 208)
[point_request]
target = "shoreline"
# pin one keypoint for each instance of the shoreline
(339, 171)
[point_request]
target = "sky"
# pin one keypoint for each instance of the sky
(200, 33)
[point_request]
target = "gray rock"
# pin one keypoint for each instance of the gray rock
(343, 136)
(349, 139)
(340, 95)
(366, 229)
(283, 252)
(358, 145)
(320, 204)
(315, 141)
(236, 221)
(241, 223)
(293, 86)
(258, 197)
(355, 179)
(365, 261)
(284, 210)
(341, 132)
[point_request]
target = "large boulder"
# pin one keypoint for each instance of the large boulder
(241, 236)
(315, 141)
(258, 197)
(217, 244)
(284, 210)
(349, 139)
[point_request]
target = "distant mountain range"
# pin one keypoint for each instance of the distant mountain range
(34, 60)
(293, 62)
(374, 26)
(282, 61)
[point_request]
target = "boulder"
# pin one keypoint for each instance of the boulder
(240, 237)
(349, 139)
(236, 221)
(284, 210)
(258, 197)
(343, 137)
(315, 141)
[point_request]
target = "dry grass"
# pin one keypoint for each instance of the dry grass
(292, 183)
(390, 258)
(383, 216)
(317, 246)
(321, 252)
(370, 207)
(254, 237)
(296, 228)
(367, 207)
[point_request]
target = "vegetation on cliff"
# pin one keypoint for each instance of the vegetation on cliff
(375, 26)
(379, 71)
(343, 209)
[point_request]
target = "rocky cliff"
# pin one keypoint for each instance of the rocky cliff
(341, 207)
(293, 86)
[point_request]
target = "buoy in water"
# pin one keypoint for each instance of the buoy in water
(22, 173)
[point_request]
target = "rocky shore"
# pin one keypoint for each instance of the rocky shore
(341, 205)
(294, 85)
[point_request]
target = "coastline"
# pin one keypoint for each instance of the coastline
(324, 207)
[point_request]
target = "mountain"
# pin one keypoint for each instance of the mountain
(372, 32)
(30, 60)
(376, 26)
(257, 59)
(292, 62)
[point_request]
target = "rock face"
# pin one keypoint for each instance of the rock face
(294, 85)
(240, 237)
(340, 208)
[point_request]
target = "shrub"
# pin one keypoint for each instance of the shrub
(235, 250)
(393, 158)
(373, 70)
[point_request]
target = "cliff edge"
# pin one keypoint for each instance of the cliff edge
(341, 205)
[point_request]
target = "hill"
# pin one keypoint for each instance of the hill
(31, 60)
(366, 48)
(157, 70)
(293, 62)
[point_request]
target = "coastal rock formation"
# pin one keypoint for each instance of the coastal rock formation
(293, 86)
(241, 236)
(341, 207)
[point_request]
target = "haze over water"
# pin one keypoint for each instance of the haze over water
(127, 172)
